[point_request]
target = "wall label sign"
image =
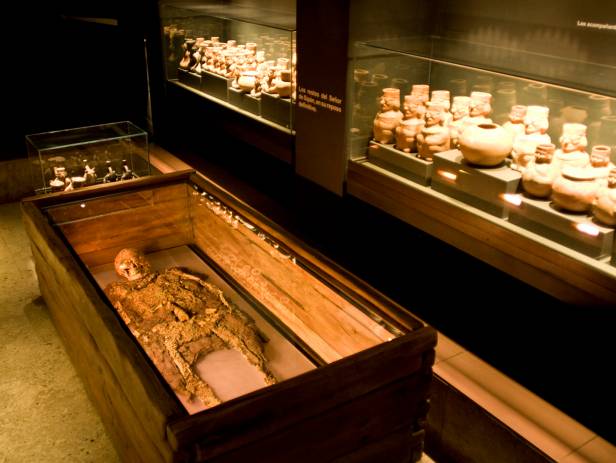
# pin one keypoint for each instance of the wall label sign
(593, 25)
(314, 100)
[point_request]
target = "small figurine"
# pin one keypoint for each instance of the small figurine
(434, 136)
(61, 182)
(540, 173)
(127, 173)
(89, 174)
(573, 144)
(443, 97)
(389, 116)
(460, 110)
(111, 175)
(480, 108)
(515, 125)
(411, 124)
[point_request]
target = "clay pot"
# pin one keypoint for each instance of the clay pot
(515, 125)
(247, 80)
(540, 173)
(575, 189)
(385, 124)
(485, 144)
(604, 206)
(283, 84)
(406, 134)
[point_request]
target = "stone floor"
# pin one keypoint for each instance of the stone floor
(45, 414)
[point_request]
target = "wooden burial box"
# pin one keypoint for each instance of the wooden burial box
(353, 368)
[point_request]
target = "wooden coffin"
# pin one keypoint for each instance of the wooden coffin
(355, 389)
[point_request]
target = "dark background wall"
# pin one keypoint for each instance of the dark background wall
(61, 71)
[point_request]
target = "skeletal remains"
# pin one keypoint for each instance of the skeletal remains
(179, 318)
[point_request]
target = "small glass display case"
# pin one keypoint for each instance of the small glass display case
(65, 160)
(201, 318)
(242, 57)
(495, 113)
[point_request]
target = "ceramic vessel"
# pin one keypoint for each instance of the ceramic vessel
(573, 144)
(283, 84)
(523, 151)
(485, 144)
(515, 125)
(600, 162)
(385, 126)
(406, 134)
(247, 80)
(422, 91)
(604, 206)
(540, 173)
(389, 116)
(575, 189)
(434, 136)
(460, 110)
(480, 108)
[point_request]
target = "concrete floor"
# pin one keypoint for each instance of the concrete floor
(45, 414)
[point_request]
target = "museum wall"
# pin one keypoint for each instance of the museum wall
(62, 72)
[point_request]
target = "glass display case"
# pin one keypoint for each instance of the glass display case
(201, 317)
(509, 118)
(64, 160)
(240, 56)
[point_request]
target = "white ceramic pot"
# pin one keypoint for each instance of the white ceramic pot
(485, 144)
(247, 80)
(575, 189)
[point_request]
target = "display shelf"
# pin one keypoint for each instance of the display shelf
(226, 51)
(64, 160)
(519, 108)
(554, 268)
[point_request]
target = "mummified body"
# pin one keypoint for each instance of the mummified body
(179, 318)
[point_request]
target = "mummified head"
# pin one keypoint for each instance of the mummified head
(131, 264)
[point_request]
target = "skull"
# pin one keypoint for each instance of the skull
(130, 263)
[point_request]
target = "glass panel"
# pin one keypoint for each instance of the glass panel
(211, 275)
(241, 56)
(64, 160)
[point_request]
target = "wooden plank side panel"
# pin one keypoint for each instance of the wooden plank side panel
(152, 402)
(322, 318)
(402, 446)
(111, 204)
(160, 219)
(342, 429)
(267, 411)
(130, 439)
(336, 277)
(558, 274)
